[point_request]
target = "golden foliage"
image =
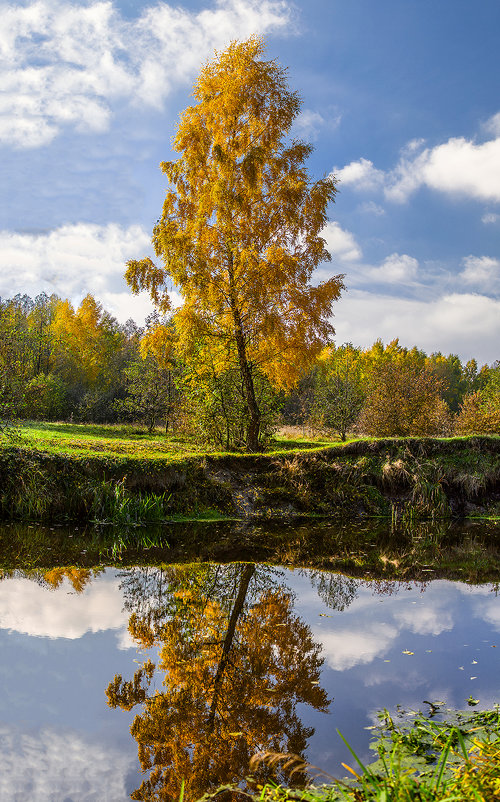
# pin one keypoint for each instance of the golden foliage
(403, 394)
(235, 663)
(240, 231)
(479, 414)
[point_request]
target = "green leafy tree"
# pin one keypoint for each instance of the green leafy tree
(480, 410)
(46, 397)
(339, 394)
(403, 394)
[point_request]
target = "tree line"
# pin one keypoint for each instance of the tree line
(240, 237)
(58, 362)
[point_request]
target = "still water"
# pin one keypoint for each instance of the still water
(117, 680)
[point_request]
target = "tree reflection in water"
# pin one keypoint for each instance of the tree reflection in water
(235, 661)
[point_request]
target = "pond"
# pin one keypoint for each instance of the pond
(124, 679)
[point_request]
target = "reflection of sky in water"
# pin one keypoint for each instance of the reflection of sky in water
(59, 650)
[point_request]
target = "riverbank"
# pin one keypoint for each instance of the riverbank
(443, 755)
(410, 478)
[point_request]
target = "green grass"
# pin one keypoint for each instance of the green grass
(419, 760)
(50, 474)
(106, 440)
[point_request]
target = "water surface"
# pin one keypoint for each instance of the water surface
(115, 679)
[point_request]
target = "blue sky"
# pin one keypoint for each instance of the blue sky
(400, 99)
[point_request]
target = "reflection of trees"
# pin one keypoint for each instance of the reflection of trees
(237, 662)
(52, 578)
(335, 590)
(77, 577)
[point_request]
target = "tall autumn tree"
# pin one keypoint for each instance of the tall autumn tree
(240, 232)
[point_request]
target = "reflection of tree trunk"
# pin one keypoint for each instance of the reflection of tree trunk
(246, 576)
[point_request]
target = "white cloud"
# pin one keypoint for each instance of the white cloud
(73, 260)
(308, 124)
(492, 126)
(341, 243)
(360, 175)
(459, 167)
(490, 612)
(370, 207)
(66, 65)
(490, 217)
(482, 271)
(61, 766)
(61, 613)
(396, 269)
(463, 323)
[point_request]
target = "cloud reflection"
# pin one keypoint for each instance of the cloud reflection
(61, 767)
(31, 609)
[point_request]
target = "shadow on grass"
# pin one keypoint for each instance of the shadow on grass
(99, 431)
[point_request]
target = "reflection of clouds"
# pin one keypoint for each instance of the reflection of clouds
(490, 612)
(344, 648)
(426, 619)
(124, 640)
(60, 768)
(370, 628)
(61, 613)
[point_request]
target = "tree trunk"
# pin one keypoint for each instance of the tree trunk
(246, 576)
(253, 425)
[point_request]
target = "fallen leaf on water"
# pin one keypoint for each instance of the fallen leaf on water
(406, 651)
(473, 677)
(461, 668)
(474, 662)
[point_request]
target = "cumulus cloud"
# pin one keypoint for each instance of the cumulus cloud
(426, 619)
(466, 324)
(341, 243)
(68, 65)
(396, 268)
(482, 271)
(360, 175)
(459, 167)
(490, 613)
(73, 260)
(60, 767)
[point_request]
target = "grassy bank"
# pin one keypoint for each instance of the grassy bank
(108, 474)
(454, 757)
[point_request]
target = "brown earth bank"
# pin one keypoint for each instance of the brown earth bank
(408, 478)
